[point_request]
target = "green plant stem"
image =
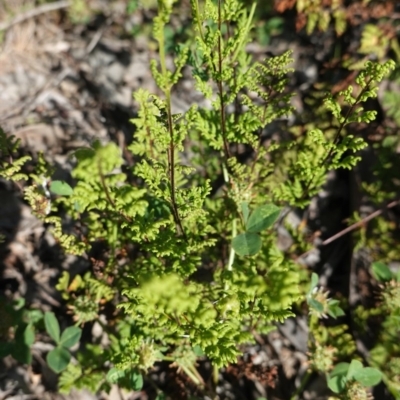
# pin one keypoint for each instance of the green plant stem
(303, 384)
(107, 193)
(196, 7)
(327, 158)
(223, 126)
(215, 374)
(329, 154)
(343, 124)
(313, 323)
(171, 150)
(232, 252)
(171, 166)
(219, 84)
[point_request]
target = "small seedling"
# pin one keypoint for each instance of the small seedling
(249, 243)
(59, 357)
(345, 374)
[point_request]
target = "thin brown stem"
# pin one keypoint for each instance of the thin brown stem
(342, 125)
(44, 8)
(328, 157)
(108, 196)
(171, 169)
(354, 226)
(171, 149)
(220, 87)
(257, 151)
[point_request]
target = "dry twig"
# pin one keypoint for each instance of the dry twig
(354, 226)
(44, 8)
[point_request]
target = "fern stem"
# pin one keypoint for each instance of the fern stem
(342, 125)
(105, 188)
(108, 196)
(219, 84)
(171, 165)
(327, 158)
(197, 13)
(171, 150)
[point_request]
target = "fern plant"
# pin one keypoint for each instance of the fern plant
(10, 165)
(189, 262)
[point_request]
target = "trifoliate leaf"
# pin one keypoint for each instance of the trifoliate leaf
(262, 218)
(247, 244)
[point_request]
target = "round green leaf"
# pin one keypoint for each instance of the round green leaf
(381, 271)
(368, 376)
(114, 375)
(262, 218)
(247, 244)
(337, 383)
(29, 335)
(314, 281)
(198, 350)
(84, 153)
(136, 380)
(61, 188)
(52, 326)
(340, 369)
(245, 211)
(33, 316)
(19, 304)
(25, 335)
(338, 377)
(354, 367)
(58, 359)
(70, 336)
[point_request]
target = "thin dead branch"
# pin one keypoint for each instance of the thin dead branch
(44, 8)
(354, 226)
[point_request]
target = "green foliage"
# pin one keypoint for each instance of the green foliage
(391, 101)
(166, 213)
(319, 153)
(85, 295)
(17, 332)
(385, 355)
(319, 16)
(382, 272)
(351, 379)
(374, 41)
(61, 188)
(59, 358)
(94, 376)
(318, 301)
(170, 285)
(10, 168)
(326, 343)
(266, 29)
(249, 243)
(79, 12)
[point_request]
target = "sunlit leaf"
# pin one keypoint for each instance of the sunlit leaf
(247, 244)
